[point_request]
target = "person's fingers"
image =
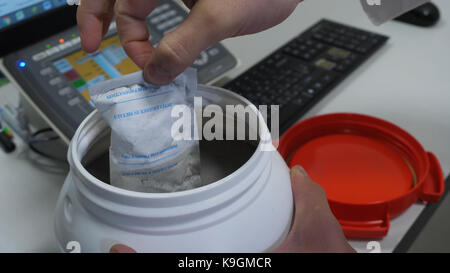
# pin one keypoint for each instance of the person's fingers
(132, 28)
(209, 22)
(92, 16)
(189, 3)
(119, 248)
(306, 191)
(298, 174)
(308, 196)
(205, 26)
(314, 227)
(108, 17)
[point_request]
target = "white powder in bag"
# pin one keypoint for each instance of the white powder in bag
(144, 156)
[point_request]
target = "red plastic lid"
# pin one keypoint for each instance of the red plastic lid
(371, 169)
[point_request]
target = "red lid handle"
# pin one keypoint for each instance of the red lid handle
(364, 230)
(433, 187)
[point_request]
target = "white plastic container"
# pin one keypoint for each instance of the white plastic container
(247, 207)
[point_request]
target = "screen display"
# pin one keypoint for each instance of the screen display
(83, 70)
(16, 11)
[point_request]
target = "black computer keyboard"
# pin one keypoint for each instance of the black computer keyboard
(300, 73)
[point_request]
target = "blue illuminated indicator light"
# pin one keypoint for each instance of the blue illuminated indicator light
(22, 64)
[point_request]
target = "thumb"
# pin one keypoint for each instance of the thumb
(314, 227)
(179, 48)
(298, 175)
(119, 248)
(308, 195)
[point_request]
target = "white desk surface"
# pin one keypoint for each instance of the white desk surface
(407, 83)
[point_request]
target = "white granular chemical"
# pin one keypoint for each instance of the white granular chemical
(144, 156)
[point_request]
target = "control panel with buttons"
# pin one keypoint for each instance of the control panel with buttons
(56, 74)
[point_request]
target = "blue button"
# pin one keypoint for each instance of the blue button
(21, 64)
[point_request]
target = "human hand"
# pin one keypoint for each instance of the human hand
(314, 228)
(209, 22)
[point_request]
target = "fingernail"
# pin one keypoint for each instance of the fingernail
(298, 171)
(156, 76)
(121, 249)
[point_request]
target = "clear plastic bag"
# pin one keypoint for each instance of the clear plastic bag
(144, 154)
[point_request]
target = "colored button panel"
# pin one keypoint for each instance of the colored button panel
(78, 83)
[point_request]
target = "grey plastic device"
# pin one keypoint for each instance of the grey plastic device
(54, 94)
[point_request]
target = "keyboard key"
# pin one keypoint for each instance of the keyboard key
(52, 50)
(47, 71)
(312, 77)
(318, 85)
(328, 78)
(363, 48)
(55, 81)
(325, 64)
(300, 101)
(39, 56)
(65, 91)
(74, 101)
(297, 88)
(310, 92)
(341, 68)
(280, 62)
(306, 56)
